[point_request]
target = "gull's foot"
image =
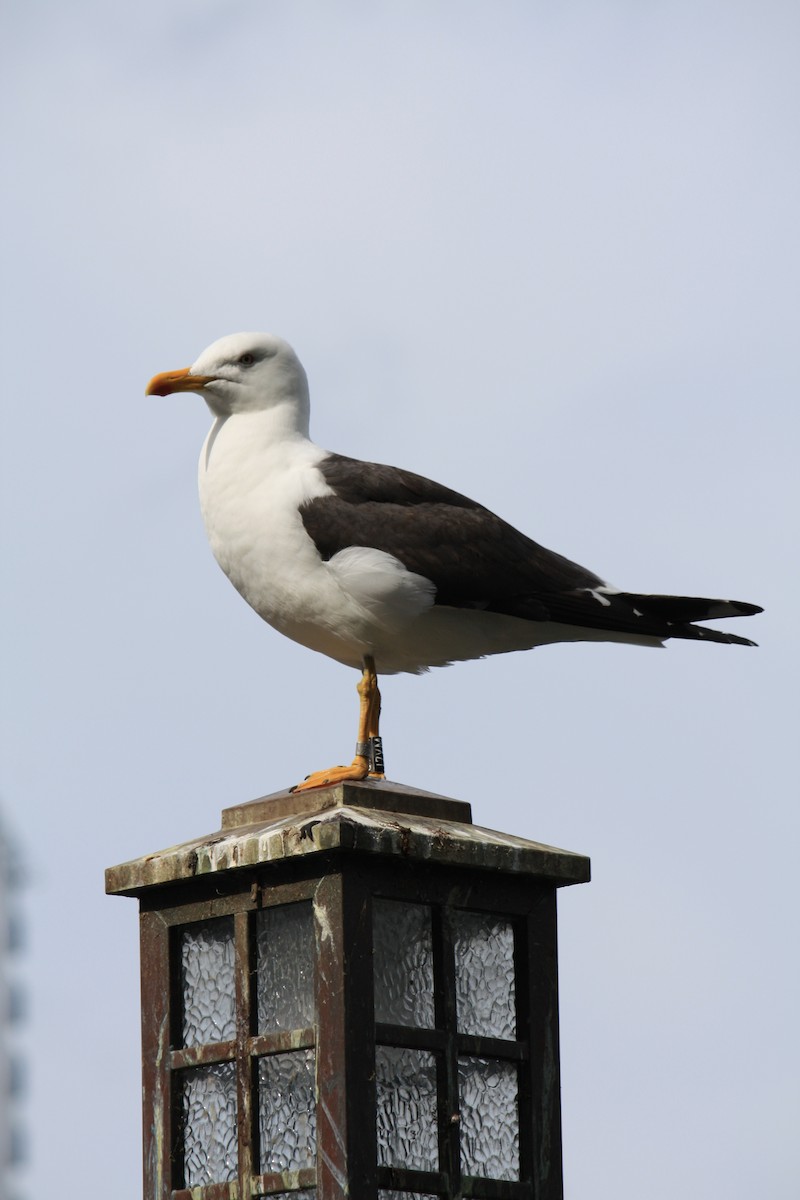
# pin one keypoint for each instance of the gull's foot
(357, 770)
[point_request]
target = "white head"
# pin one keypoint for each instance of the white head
(244, 372)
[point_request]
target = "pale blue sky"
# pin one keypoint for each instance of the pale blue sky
(544, 253)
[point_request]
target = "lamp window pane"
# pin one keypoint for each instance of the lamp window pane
(303, 1194)
(207, 982)
(406, 1094)
(208, 1125)
(403, 960)
(287, 1111)
(285, 958)
(489, 1107)
(484, 951)
(384, 1195)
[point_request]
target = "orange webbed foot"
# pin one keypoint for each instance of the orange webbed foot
(357, 769)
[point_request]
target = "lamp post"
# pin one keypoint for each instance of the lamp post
(350, 993)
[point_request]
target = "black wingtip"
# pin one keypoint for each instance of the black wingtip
(744, 609)
(716, 635)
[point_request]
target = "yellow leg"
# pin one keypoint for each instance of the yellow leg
(366, 762)
(373, 720)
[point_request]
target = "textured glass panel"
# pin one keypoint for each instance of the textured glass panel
(484, 946)
(403, 958)
(209, 1125)
(406, 1093)
(287, 1111)
(384, 1195)
(488, 1096)
(207, 982)
(303, 1194)
(285, 940)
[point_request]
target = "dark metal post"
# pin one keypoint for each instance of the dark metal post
(350, 993)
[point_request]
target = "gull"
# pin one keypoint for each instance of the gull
(379, 568)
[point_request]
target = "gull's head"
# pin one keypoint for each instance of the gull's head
(244, 372)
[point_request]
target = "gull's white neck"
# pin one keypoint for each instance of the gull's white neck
(255, 432)
(256, 471)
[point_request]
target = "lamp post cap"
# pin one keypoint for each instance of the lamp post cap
(376, 794)
(364, 817)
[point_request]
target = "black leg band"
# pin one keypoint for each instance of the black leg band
(375, 756)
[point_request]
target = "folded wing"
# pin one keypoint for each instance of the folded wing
(476, 560)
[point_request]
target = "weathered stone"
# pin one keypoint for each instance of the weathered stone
(371, 817)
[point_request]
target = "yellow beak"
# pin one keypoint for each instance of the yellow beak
(177, 381)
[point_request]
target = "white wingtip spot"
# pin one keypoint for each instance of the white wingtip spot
(596, 594)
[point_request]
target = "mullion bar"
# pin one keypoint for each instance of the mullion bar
(359, 988)
(284, 1181)
(478, 1046)
(180, 915)
(346, 1135)
(278, 895)
(212, 1191)
(408, 1180)
(454, 888)
(410, 1037)
(283, 1042)
(157, 1002)
(243, 944)
(543, 1083)
(332, 1159)
(444, 970)
(173, 1138)
(202, 1056)
(495, 1189)
(528, 1072)
(242, 899)
(436, 1040)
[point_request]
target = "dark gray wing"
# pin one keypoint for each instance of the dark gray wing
(474, 558)
(477, 560)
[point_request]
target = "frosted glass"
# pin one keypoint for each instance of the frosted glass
(406, 1093)
(285, 967)
(488, 1101)
(403, 960)
(287, 1111)
(207, 982)
(209, 1125)
(384, 1195)
(484, 949)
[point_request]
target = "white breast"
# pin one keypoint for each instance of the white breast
(252, 481)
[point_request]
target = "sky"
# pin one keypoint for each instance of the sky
(546, 254)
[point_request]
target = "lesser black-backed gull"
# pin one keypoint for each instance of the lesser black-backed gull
(381, 569)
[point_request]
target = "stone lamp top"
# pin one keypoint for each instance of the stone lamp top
(368, 817)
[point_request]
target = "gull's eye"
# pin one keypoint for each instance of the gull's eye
(247, 360)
